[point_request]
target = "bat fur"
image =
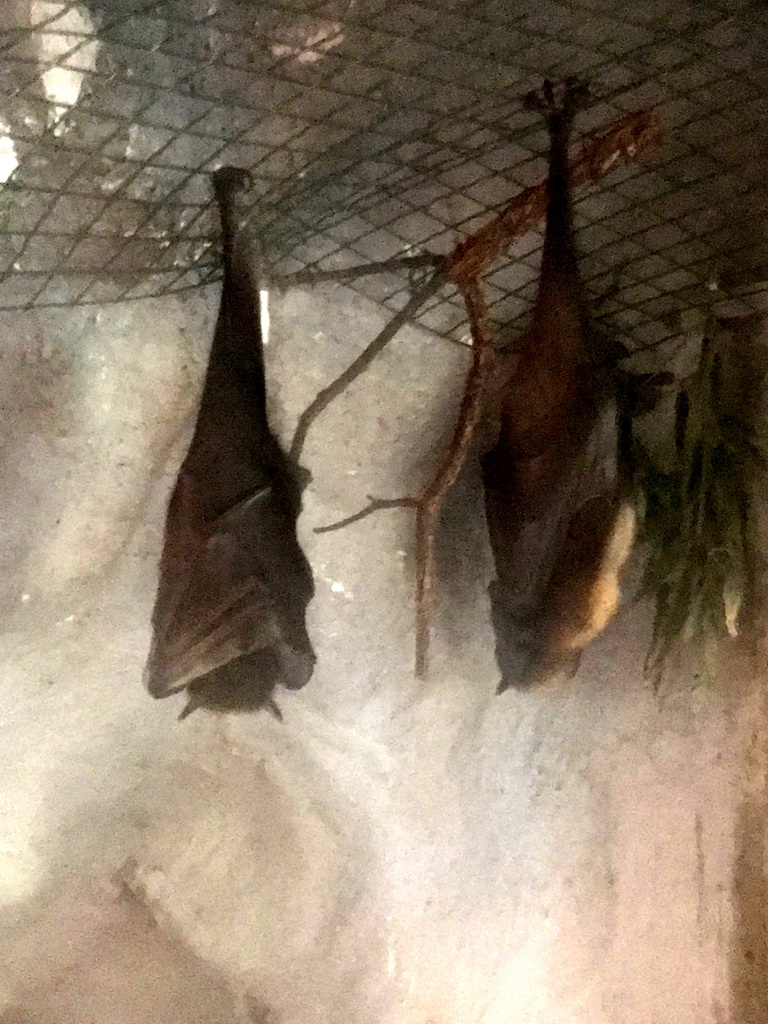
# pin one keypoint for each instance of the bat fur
(229, 616)
(560, 522)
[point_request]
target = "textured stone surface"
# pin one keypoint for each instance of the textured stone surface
(394, 852)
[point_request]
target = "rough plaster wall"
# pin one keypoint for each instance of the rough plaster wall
(395, 852)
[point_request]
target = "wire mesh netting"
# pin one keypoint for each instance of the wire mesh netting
(376, 128)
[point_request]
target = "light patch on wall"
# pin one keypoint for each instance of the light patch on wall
(264, 314)
(9, 160)
(309, 42)
(20, 875)
(337, 587)
(21, 871)
(134, 136)
(63, 29)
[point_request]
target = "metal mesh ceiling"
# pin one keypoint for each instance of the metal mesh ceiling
(375, 128)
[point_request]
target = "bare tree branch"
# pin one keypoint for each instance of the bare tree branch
(374, 505)
(425, 259)
(431, 502)
(324, 398)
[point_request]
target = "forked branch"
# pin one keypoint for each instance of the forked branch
(431, 502)
(324, 398)
(374, 505)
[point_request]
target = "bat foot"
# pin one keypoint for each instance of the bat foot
(274, 710)
(573, 665)
(302, 476)
(190, 707)
(558, 100)
(521, 684)
(227, 180)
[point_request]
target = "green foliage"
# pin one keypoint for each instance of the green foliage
(694, 522)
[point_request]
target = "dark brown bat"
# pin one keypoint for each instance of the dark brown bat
(229, 617)
(559, 523)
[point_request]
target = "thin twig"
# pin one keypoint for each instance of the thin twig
(431, 501)
(425, 259)
(324, 398)
(374, 505)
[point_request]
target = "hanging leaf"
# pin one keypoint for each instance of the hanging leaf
(695, 519)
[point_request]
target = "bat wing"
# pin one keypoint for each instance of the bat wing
(526, 525)
(232, 592)
(549, 544)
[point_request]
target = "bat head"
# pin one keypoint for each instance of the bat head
(582, 597)
(247, 683)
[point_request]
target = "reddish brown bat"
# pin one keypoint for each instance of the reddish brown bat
(229, 618)
(559, 521)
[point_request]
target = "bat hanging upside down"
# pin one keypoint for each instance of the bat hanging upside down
(560, 521)
(229, 617)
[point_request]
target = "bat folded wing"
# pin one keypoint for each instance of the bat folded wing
(229, 616)
(559, 555)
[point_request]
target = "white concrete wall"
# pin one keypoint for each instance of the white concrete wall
(395, 852)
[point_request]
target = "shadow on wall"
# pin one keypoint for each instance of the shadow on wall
(37, 402)
(106, 960)
(88, 949)
(93, 403)
(254, 869)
